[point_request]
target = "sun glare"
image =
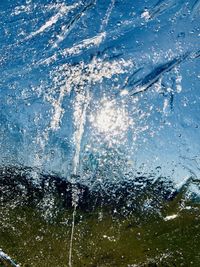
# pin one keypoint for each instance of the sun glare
(110, 119)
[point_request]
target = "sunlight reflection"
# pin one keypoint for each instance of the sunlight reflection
(110, 119)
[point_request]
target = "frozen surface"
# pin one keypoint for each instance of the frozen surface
(101, 91)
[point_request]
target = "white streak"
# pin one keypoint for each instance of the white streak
(58, 110)
(79, 120)
(107, 16)
(72, 237)
(53, 20)
(145, 15)
(47, 25)
(170, 217)
(7, 258)
(85, 44)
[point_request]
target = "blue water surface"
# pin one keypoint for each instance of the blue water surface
(105, 90)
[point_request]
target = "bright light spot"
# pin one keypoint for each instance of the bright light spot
(170, 217)
(110, 119)
(145, 15)
(124, 92)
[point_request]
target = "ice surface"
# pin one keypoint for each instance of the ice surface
(101, 89)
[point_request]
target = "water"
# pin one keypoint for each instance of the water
(103, 95)
(72, 88)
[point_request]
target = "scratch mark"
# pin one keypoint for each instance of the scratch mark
(66, 29)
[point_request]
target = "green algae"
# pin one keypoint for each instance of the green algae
(102, 238)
